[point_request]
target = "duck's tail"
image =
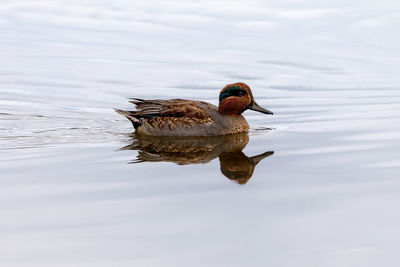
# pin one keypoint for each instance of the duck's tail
(130, 115)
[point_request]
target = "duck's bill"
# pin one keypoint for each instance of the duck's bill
(254, 106)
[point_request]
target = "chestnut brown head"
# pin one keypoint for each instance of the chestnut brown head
(235, 98)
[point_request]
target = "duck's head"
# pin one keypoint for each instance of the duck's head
(236, 98)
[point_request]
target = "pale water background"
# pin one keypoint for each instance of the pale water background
(329, 196)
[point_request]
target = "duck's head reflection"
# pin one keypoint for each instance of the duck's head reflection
(235, 165)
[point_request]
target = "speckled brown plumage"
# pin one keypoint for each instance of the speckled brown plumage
(180, 117)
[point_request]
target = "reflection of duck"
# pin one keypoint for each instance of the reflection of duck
(238, 167)
(235, 165)
(179, 117)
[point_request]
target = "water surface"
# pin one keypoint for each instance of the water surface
(316, 184)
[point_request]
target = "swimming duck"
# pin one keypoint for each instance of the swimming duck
(180, 117)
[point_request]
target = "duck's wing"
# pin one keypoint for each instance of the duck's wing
(160, 110)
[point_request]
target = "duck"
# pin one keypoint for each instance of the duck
(190, 118)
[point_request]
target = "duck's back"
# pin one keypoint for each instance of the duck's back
(179, 117)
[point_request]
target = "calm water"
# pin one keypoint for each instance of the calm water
(317, 184)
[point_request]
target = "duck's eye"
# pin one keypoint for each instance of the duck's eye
(232, 91)
(241, 93)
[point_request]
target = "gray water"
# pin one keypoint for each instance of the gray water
(78, 189)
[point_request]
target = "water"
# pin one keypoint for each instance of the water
(77, 189)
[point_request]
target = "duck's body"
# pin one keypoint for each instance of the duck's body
(179, 117)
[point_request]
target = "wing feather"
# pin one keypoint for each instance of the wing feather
(165, 112)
